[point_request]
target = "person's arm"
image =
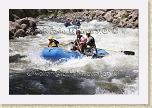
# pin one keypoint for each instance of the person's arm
(56, 42)
(73, 41)
(48, 44)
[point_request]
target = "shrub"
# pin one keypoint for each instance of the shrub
(125, 16)
(93, 15)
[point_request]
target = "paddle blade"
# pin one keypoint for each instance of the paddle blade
(128, 52)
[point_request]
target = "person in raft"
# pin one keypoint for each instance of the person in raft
(79, 43)
(83, 45)
(91, 46)
(52, 42)
(67, 23)
(77, 23)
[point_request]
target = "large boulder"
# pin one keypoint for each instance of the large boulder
(108, 16)
(32, 22)
(24, 27)
(19, 33)
(119, 13)
(13, 26)
(23, 21)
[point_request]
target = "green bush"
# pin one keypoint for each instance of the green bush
(39, 12)
(93, 15)
(125, 16)
(55, 12)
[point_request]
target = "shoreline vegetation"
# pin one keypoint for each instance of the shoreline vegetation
(22, 22)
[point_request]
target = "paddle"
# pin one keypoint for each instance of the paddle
(64, 44)
(125, 52)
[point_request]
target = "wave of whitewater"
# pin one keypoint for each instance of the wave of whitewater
(122, 69)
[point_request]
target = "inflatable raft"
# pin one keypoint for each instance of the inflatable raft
(73, 27)
(56, 53)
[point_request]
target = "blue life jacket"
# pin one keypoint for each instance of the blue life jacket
(65, 24)
(78, 23)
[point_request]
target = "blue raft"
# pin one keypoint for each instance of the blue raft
(56, 53)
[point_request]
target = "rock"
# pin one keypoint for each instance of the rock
(13, 26)
(23, 21)
(108, 16)
(100, 13)
(116, 21)
(24, 27)
(129, 25)
(106, 10)
(134, 15)
(136, 23)
(32, 24)
(11, 35)
(19, 33)
(119, 13)
(51, 16)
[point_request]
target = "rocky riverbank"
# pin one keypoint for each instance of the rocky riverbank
(21, 23)
(127, 18)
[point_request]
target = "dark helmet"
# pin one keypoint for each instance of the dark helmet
(77, 31)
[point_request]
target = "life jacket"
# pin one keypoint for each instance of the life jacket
(65, 24)
(78, 41)
(78, 23)
(53, 43)
(91, 42)
(79, 47)
(83, 40)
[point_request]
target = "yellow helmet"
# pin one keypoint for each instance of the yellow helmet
(50, 37)
(88, 32)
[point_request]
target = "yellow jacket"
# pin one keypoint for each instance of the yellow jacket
(52, 44)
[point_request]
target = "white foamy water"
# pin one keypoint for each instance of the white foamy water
(107, 37)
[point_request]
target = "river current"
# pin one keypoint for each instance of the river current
(116, 73)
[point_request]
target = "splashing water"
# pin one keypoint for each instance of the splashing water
(122, 70)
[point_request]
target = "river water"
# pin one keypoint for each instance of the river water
(116, 73)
